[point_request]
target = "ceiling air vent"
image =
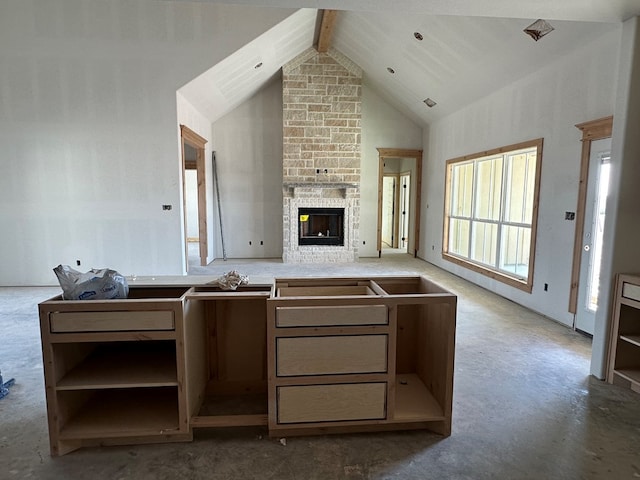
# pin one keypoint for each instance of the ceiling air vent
(429, 103)
(538, 29)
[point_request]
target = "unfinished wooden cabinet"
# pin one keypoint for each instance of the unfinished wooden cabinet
(300, 356)
(114, 370)
(624, 348)
(355, 354)
(226, 359)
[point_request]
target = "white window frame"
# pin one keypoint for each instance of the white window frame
(493, 271)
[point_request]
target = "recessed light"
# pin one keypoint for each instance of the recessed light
(390, 70)
(429, 103)
(538, 29)
(258, 65)
(418, 36)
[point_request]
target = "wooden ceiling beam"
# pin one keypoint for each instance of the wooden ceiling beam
(326, 30)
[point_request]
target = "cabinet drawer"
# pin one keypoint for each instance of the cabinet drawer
(63, 322)
(331, 403)
(331, 315)
(331, 355)
(629, 290)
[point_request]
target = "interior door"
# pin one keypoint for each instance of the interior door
(405, 201)
(594, 217)
(388, 210)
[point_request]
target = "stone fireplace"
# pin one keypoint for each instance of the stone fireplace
(321, 154)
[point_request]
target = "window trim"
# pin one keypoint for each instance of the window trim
(525, 285)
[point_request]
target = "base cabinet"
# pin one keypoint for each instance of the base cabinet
(353, 354)
(624, 349)
(299, 356)
(113, 370)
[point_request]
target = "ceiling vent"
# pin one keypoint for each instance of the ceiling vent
(538, 29)
(429, 103)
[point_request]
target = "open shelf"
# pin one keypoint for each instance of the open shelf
(124, 365)
(232, 410)
(414, 401)
(123, 413)
(630, 374)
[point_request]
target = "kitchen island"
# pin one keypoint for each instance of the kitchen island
(298, 356)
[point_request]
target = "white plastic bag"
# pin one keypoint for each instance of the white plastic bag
(102, 284)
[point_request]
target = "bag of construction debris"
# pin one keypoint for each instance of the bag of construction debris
(96, 284)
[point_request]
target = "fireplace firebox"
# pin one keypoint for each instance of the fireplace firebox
(321, 226)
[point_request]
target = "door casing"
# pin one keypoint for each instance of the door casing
(188, 136)
(385, 153)
(593, 130)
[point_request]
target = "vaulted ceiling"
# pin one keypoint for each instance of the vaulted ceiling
(469, 48)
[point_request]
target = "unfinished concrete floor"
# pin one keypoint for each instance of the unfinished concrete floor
(524, 407)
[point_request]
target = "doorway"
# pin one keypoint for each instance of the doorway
(594, 217)
(594, 165)
(194, 195)
(396, 209)
(399, 182)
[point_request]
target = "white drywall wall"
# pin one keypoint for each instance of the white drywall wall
(383, 126)
(88, 139)
(622, 225)
(248, 146)
(577, 88)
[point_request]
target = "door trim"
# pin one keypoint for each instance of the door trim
(384, 153)
(591, 131)
(188, 136)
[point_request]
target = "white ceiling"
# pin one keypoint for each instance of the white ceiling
(470, 48)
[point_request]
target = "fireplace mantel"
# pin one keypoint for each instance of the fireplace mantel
(320, 185)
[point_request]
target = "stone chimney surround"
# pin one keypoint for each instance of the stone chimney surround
(321, 149)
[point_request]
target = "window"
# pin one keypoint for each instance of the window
(491, 212)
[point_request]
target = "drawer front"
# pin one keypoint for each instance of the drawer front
(331, 355)
(331, 315)
(332, 403)
(629, 290)
(66, 322)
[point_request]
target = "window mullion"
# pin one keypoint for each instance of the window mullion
(473, 208)
(501, 213)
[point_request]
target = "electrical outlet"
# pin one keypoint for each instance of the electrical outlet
(249, 242)
(78, 263)
(261, 242)
(166, 207)
(546, 287)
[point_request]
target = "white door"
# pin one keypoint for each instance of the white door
(388, 207)
(594, 216)
(405, 182)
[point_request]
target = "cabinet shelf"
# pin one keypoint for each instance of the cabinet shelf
(124, 413)
(105, 368)
(630, 374)
(414, 402)
(633, 339)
